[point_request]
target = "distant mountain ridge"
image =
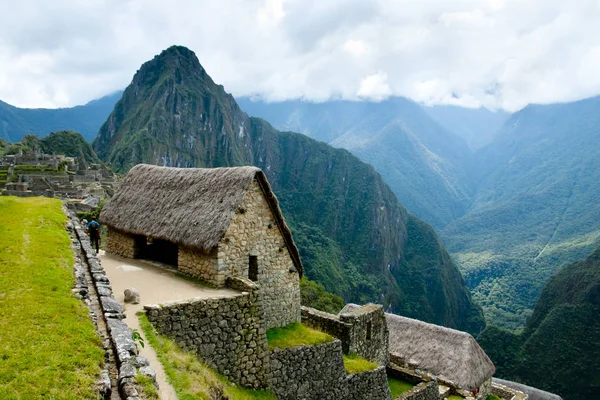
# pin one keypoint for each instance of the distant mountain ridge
(354, 236)
(16, 122)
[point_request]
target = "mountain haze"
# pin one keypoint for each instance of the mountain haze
(354, 236)
(16, 122)
(476, 126)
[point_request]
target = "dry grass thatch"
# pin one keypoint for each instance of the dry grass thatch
(192, 207)
(443, 352)
(533, 393)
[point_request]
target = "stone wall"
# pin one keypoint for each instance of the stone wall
(254, 232)
(423, 391)
(362, 331)
(226, 333)
(120, 337)
(200, 266)
(369, 336)
(318, 373)
(120, 244)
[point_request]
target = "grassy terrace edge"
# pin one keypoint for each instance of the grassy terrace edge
(191, 378)
(294, 335)
(49, 347)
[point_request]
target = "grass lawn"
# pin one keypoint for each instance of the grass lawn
(355, 363)
(493, 397)
(190, 378)
(295, 334)
(455, 397)
(398, 386)
(48, 345)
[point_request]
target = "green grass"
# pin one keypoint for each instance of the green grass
(295, 334)
(147, 387)
(48, 345)
(398, 386)
(190, 378)
(455, 397)
(493, 397)
(355, 363)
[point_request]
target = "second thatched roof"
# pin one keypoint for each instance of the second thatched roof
(192, 207)
(446, 353)
(531, 392)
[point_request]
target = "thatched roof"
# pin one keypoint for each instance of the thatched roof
(192, 207)
(533, 393)
(443, 352)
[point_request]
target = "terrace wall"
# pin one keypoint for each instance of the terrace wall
(318, 373)
(226, 333)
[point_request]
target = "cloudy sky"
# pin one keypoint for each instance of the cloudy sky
(497, 53)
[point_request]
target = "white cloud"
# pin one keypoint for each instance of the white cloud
(355, 47)
(374, 87)
(500, 53)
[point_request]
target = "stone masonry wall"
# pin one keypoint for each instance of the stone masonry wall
(318, 373)
(354, 331)
(254, 232)
(226, 333)
(369, 336)
(120, 243)
(423, 391)
(200, 266)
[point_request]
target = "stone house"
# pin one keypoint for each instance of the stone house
(211, 224)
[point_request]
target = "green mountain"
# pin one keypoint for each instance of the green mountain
(354, 236)
(536, 207)
(67, 143)
(559, 350)
(424, 164)
(16, 122)
(476, 126)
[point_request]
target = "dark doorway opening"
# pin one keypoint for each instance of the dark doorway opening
(159, 250)
(253, 268)
(369, 330)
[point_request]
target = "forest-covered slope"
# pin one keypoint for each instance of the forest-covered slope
(559, 350)
(536, 207)
(354, 236)
(16, 122)
(425, 165)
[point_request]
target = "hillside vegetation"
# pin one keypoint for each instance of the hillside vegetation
(354, 236)
(48, 345)
(559, 350)
(536, 207)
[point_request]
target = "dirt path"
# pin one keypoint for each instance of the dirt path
(156, 284)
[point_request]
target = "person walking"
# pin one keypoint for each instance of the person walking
(94, 232)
